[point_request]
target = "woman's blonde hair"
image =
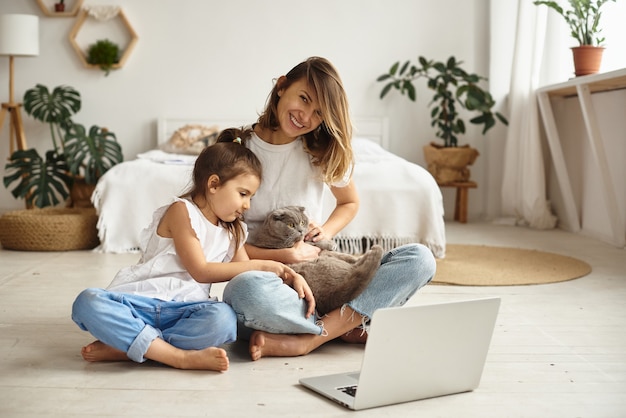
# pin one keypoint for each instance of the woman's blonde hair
(330, 144)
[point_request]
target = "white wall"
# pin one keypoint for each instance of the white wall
(209, 58)
(198, 58)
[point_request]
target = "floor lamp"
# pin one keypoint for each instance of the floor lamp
(19, 36)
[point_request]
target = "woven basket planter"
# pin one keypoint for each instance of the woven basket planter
(449, 165)
(49, 229)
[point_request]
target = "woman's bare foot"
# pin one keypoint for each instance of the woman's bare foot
(99, 351)
(211, 358)
(265, 344)
(355, 336)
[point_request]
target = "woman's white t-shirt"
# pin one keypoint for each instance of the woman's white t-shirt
(289, 178)
(160, 274)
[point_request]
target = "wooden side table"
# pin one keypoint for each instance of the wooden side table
(460, 204)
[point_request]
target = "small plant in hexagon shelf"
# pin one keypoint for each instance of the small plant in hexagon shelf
(104, 53)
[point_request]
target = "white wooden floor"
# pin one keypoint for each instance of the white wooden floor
(559, 350)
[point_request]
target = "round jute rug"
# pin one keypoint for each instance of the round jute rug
(480, 265)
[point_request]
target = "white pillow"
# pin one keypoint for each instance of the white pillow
(191, 139)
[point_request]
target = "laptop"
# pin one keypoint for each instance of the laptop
(416, 352)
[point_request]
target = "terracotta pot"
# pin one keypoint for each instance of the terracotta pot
(448, 165)
(587, 59)
(59, 7)
(80, 193)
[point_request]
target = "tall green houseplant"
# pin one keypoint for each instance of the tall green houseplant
(456, 92)
(452, 87)
(76, 154)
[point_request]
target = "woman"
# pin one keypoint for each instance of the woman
(303, 141)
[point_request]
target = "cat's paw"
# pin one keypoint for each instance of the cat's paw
(325, 244)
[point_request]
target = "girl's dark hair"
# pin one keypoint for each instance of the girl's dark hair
(227, 158)
(329, 144)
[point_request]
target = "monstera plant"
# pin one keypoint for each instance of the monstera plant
(78, 156)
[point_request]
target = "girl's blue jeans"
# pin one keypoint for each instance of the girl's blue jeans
(131, 322)
(263, 302)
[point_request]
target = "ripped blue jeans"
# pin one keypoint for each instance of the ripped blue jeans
(263, 302)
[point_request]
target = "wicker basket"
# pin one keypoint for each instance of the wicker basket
(49, 229)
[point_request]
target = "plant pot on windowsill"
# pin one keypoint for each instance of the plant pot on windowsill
(587, 59)
(583, 19)
(449, 164)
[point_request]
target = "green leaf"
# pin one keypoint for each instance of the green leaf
(91, 155)
(394, 68)
(53, 107)
(40, 182)
(385, 90)
(404, 67)
(502, 119)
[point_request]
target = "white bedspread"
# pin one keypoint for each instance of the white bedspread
(400, 201)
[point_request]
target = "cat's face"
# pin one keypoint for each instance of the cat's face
(290, 221)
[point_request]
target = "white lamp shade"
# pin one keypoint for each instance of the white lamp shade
(19, 35)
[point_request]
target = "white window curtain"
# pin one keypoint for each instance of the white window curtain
(525, 48)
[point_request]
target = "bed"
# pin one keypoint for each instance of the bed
(400, 201)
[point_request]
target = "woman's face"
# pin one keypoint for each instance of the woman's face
(298, 109)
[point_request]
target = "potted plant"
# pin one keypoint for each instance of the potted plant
(454, 89)
(105, 54)
(583, 19)
(59, 6)
(77, 155)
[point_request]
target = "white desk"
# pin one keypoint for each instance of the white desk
(583, 87)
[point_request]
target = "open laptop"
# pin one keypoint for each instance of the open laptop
(416, 352)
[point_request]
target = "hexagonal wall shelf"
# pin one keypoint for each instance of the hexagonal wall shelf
(48, 8)
(82, 17)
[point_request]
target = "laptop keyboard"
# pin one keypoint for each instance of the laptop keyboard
(350, 390)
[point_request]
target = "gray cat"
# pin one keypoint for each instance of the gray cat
(335, 278)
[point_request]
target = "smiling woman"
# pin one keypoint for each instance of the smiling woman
(303, 139)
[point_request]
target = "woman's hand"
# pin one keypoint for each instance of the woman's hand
(300, 285)
(316, 233)
(302, 251)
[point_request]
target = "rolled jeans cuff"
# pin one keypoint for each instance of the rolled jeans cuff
(141, 344)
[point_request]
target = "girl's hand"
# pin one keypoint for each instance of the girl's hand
(297, 282)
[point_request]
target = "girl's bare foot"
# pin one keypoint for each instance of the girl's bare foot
(99, 351)
(211, 358)
(264, 344)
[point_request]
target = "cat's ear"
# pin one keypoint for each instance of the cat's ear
(301, 208)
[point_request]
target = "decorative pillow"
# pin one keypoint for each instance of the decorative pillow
(191, 139)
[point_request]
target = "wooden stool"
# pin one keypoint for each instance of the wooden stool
(460, 205)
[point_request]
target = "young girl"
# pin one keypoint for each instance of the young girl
(160, 308)
(303, 139)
